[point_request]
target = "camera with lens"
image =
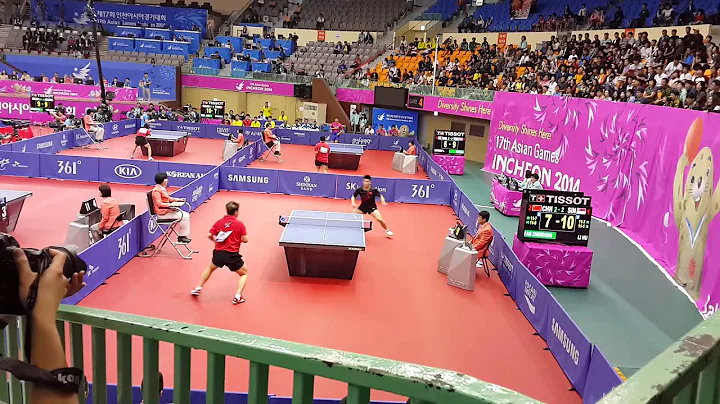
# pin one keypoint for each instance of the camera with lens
(39, 260)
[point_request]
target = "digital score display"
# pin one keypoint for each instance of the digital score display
(555, 217)
(416, 101)
(212, 109)
(449, 143)
(42, 102)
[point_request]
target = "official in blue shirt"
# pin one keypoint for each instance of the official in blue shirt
(145, 118)
(145, 84)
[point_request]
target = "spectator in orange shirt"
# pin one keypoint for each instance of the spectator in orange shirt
(411, 151)
(481, 241)
(167, 207)
(110, 210)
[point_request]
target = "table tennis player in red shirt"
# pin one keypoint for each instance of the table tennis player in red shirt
(322, 155)
(367, 195)
(228, 234)
(141, 141)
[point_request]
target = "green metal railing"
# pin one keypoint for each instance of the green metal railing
(362, 373)
(688, 372)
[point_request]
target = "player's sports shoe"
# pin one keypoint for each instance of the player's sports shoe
(478, 264)
(132, 156)
(238, 299)
(389, 233)
(151, 159)
(196, 291)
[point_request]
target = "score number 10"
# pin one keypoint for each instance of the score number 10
(567, 222)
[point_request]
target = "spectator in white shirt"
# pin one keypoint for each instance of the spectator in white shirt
(673, 66)
(369, 130)
(534, 182)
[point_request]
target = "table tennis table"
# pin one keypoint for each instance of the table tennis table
(323, 244)
(11, 204)
(166, 143)
(345, 156)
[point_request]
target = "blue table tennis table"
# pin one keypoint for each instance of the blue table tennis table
(166, 143)
(11, 204)
(323, 244)
(345, 156)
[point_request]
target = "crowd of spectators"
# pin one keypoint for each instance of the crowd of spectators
(676, 71)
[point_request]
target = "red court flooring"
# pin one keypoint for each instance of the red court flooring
(302, 158)
(397, 306)
(198, 151)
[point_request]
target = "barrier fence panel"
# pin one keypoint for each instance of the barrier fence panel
(347, 184)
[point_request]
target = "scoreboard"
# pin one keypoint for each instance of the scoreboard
(42, 102)
(555, 217)
(212, 109)
(416, 101)
(449, 143)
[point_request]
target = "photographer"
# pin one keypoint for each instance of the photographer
(45, 344)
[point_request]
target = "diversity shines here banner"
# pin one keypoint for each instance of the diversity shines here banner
(650, 171)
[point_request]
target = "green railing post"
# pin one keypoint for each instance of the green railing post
(124, 368)
(4, 390)
(99, 367)
(303, 385)
(76, 348)
(709, 388)
(61, 331)
(151, 379)
(21, 343)
(258, 388)
(181, 387)
(215, 378)
(16, 394)
(358, 394)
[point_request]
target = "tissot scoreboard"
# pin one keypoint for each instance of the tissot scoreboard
(212, 109)
(555, 217)
(42, 102)
(449, 143)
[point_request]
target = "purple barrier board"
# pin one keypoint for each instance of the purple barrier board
(459, 107)
(507, 263)
(556, 264)
(601, 378)
(69, 167)
(465, 206)
(393, 143)
(355, 95)
(242, 158)
(370, 142)
(249, 179)
(347, 184)
(220, 131)
(12, 107)
(128, 172)
(612, 152)
(62, 90)
(19, 164)
(534, 299)
(181, 174)
(307, 184)
(496, 250)
(436, 172)
(455, 197)
(47, 144)
(239, 85)
(120, 128)
(422, 191)
(568, 345)
(291, 136)
(194, 129)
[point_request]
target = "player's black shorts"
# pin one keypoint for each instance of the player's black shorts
(232, 260)
(367, 209)
(320, 163)
(140, 141)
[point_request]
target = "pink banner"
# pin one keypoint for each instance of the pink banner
(649, 169)
(357, 95)
(61, 90)
(242, 85)
(456, 106)
(19, 108)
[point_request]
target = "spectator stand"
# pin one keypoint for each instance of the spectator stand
(65, 40)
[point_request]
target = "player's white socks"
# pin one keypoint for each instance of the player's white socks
(196, 291)
(389, 233)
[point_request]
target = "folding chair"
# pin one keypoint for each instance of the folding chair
(485, 259)
(270, 150)
(170, 224)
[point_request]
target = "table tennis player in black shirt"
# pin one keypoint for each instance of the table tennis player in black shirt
(368, 206)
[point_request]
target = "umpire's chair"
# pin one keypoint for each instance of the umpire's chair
(158, 223)
(269, 150)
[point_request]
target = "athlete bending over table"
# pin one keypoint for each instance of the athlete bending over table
(141, 141)
(368, 206)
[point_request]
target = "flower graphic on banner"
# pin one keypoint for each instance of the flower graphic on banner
(545, 262)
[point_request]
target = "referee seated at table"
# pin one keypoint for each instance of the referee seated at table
(271, 139)
(481, 241)
(533, 182)
(91, 126)
(240, 139)
(411, 150)
(110, 211)
(167, 207)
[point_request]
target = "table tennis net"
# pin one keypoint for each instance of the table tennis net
(325, 222)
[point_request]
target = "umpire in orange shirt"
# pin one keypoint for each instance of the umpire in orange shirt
(481, 241)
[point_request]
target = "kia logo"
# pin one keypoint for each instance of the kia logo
(128, 171)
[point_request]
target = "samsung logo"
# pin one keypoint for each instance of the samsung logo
(567, 344)
(128, 171)
(183, 174)
(252, 179)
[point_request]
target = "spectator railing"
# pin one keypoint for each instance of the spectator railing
(478, 94)
(362, 373)
(282, 78)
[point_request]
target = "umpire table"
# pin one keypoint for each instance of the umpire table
(11, 204)
(323, 244)
(166, 143)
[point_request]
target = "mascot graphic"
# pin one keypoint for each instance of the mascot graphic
(695, 205)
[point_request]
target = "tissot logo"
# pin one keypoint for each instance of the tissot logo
(128, 171)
